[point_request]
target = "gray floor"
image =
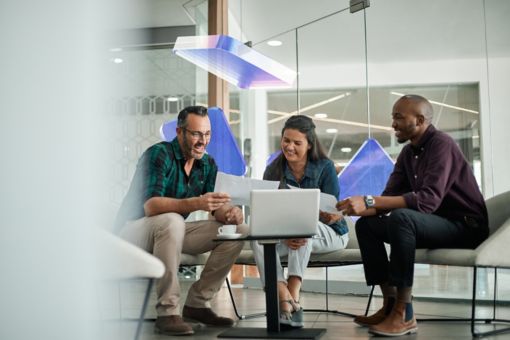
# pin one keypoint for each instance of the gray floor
(121, 302)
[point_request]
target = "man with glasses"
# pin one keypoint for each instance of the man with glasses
(433, 201)
(172, 180)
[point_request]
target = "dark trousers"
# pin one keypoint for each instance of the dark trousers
(407, 230)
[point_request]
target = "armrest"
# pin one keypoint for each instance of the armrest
(495, 251)
(119, 259)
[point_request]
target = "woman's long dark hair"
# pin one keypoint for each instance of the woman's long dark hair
(305, 125)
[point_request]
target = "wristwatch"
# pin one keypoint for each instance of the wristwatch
(369, 201)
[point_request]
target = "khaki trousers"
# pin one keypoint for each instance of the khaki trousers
(167, 236)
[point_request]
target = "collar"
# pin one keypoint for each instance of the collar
(176, 148)
(310, 168)
(429, 132)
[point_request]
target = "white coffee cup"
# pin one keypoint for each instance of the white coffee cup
(227, 229)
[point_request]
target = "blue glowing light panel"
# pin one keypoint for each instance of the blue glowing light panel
(273, 156)
(367, 172)
(223, 147)
(230, 59)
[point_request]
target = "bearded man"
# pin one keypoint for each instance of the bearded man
(431, 200)
(172, 180)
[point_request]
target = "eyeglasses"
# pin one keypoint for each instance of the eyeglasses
(199, 135)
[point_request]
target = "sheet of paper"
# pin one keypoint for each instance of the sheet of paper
(327, 202)
(239, 188)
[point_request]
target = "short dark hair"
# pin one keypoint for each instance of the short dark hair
(425, 106)
(182, 118)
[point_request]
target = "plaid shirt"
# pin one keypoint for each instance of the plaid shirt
(320, 174)
(160, 173)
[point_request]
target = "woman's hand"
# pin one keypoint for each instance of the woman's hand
(328, 218)
(295, 243)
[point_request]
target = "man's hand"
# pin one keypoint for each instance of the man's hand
(212, 200)
(295, 243)
(229, 214)
(328, 218)
(354, 205)
(234, 215)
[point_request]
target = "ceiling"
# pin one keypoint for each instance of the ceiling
(403, 30)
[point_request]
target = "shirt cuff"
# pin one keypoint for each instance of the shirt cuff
(411, 200)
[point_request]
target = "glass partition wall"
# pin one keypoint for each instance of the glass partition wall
(352, 67)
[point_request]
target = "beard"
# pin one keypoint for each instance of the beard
(406, 133)
(190, 152)
(402, 140)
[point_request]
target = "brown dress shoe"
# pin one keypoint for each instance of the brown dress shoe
(378, 316)
(401, 321)
(206, 316)
(172, 325)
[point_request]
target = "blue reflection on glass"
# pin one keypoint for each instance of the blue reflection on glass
(367, 172)
(223, 146)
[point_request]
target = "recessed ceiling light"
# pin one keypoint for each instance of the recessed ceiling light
(115, 49)
(117, 60)
(274, 43)
(172, 99)
(331, 130)
(346, 149)
(321, 115)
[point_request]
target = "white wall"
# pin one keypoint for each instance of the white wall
(51, 147)
(497, 125)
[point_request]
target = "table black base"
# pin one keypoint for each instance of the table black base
(263, 333)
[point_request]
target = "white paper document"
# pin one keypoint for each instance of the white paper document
(327, 202)
(239, 188)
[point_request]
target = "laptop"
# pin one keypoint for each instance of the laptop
(287, 212)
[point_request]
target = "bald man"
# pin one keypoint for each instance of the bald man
(431, 200)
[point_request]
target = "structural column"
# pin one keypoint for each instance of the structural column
(218, 24)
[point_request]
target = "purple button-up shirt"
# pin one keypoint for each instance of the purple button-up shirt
(435, 178)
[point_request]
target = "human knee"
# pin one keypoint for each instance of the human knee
(401, 225)
(243, 229)
(399, 219)
(168, 224)
(255, 246)
(361, 225)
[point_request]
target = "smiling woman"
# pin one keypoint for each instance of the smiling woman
(304, 164)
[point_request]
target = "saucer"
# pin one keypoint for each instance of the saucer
(229, 236)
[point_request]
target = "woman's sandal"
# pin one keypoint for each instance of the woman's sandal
(292, 318)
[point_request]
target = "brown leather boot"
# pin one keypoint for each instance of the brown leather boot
(401, 321)
(172, 325)
(206, 316)
(378, 316)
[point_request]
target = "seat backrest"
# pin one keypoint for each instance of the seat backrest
(353, 240)
(498, 208)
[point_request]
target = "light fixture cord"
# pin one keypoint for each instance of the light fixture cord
(298, 97)
(488, 120)
(366, 73)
